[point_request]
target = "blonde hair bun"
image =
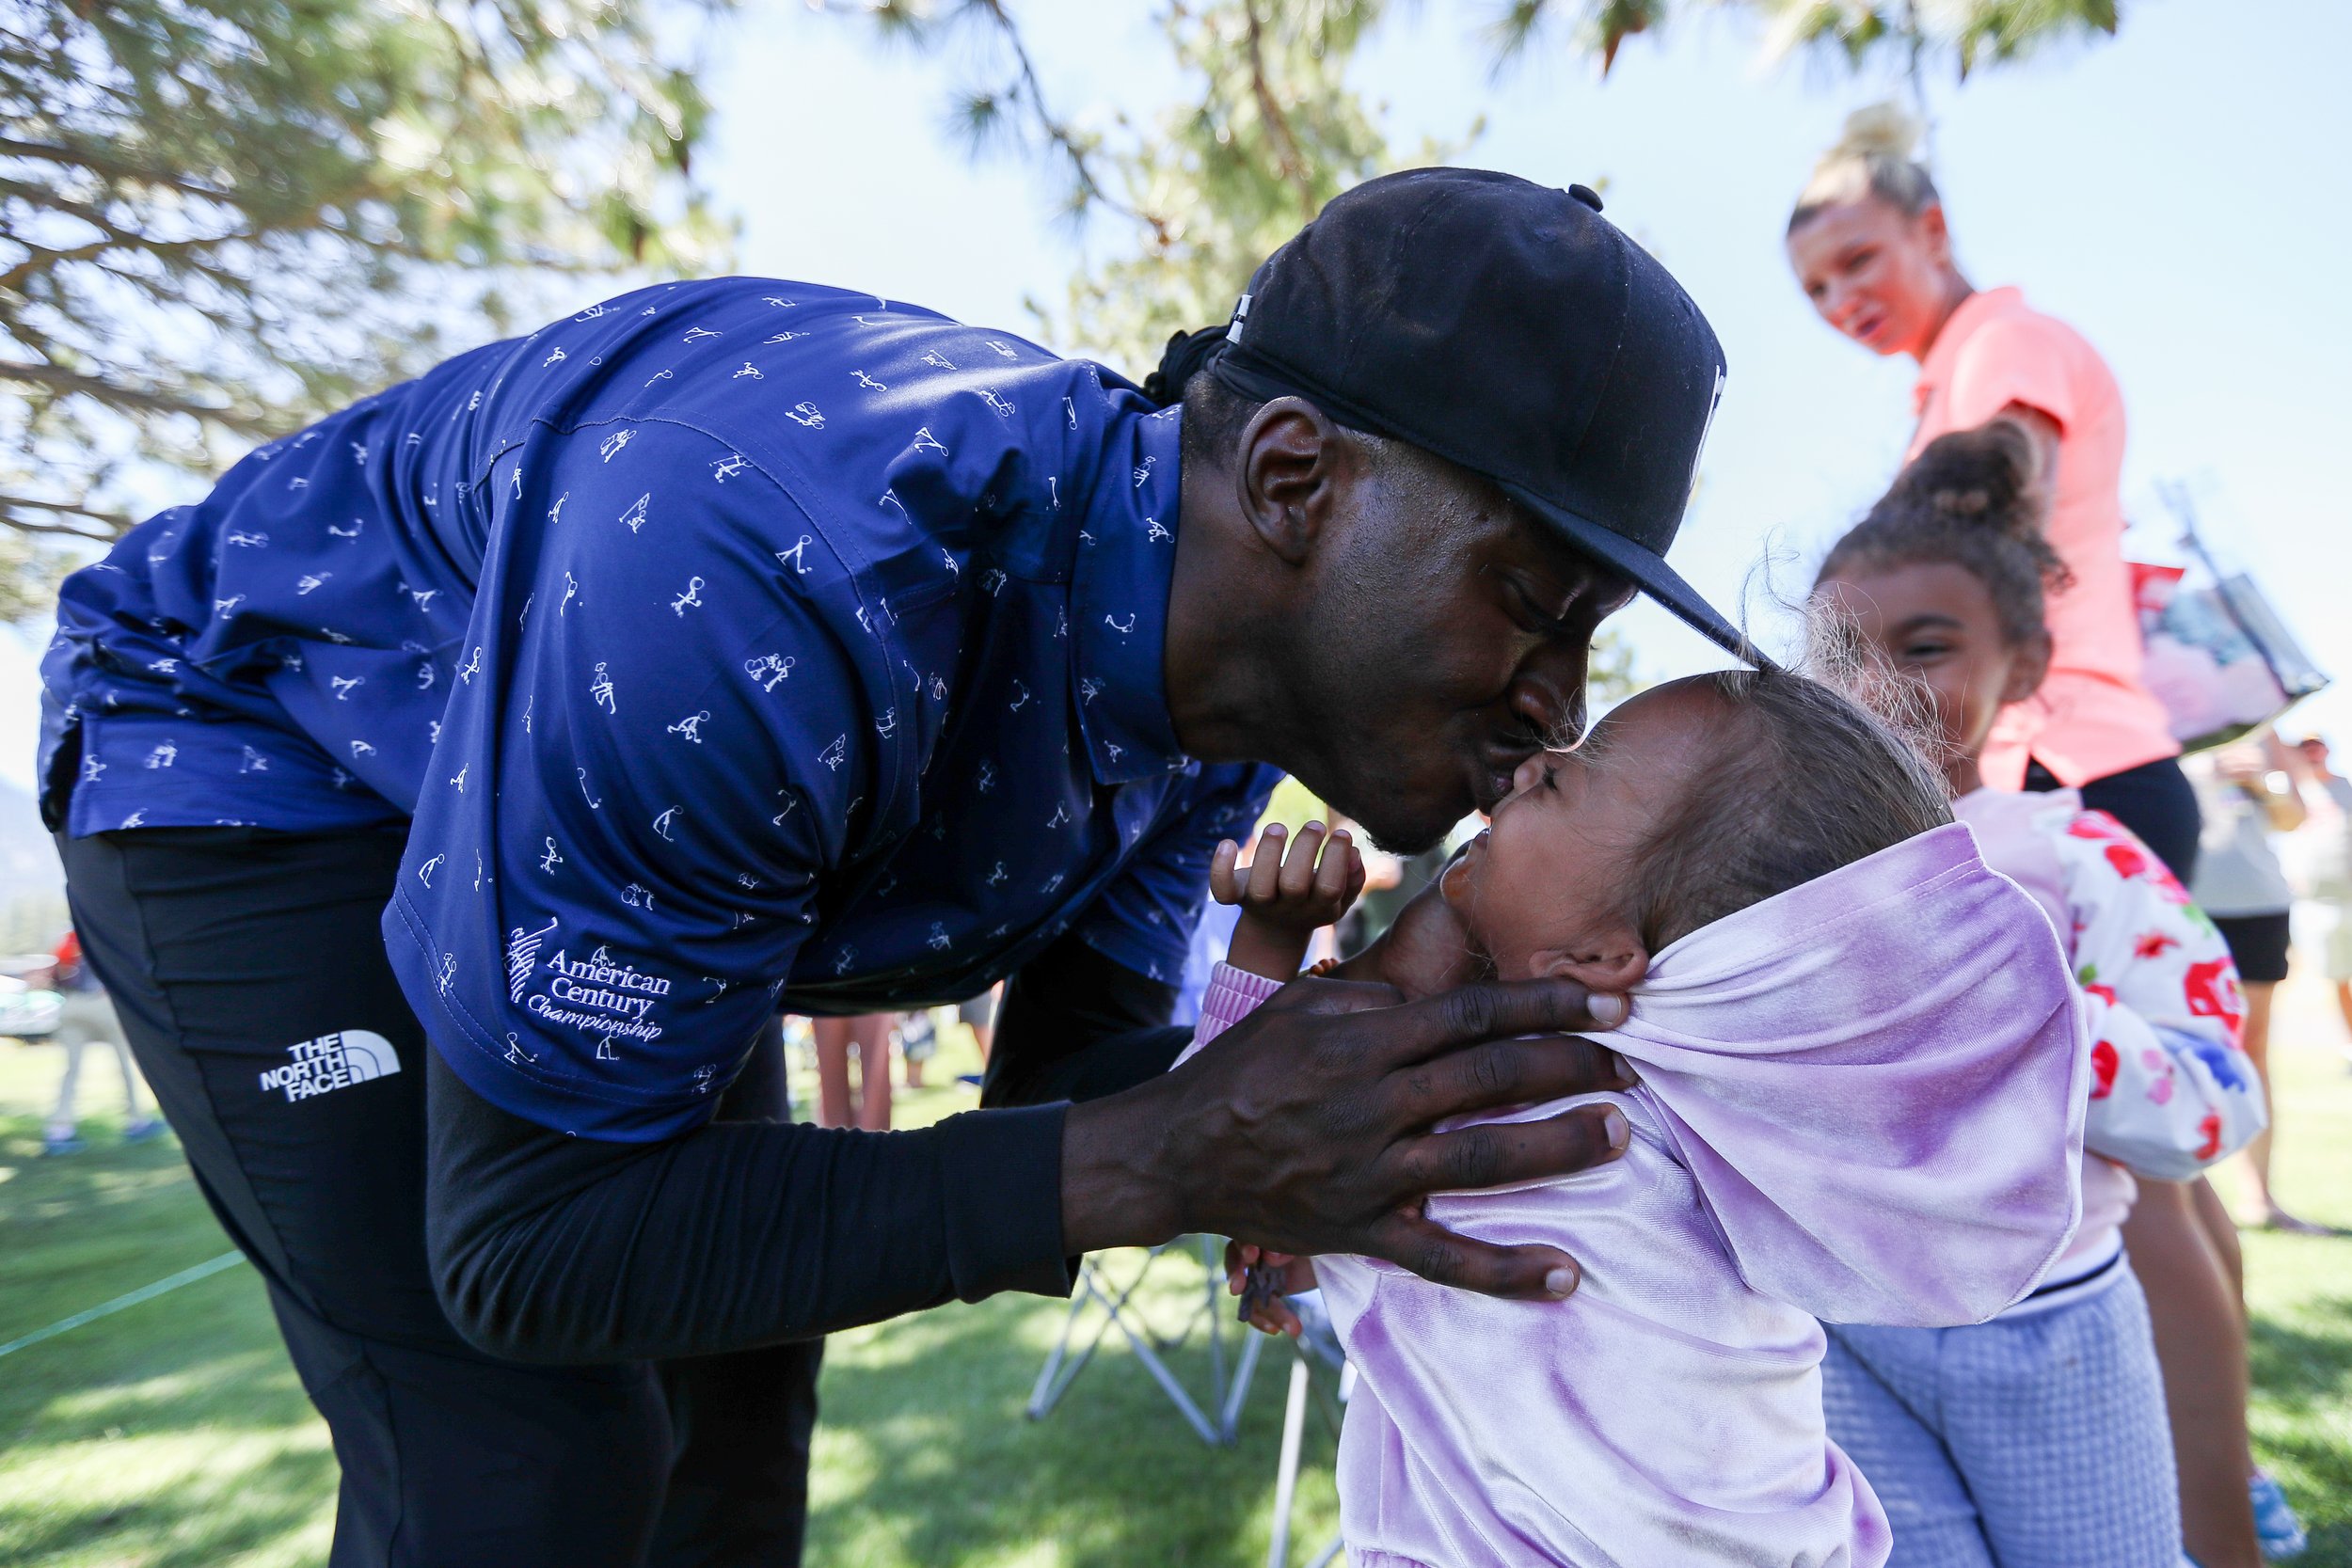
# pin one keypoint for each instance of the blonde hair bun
(1875, 155)
(1879, 131)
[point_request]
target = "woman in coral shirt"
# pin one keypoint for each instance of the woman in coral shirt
(1869, 244)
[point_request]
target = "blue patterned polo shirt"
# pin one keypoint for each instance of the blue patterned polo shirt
(728, 645)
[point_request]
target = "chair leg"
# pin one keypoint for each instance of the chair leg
(1168, 1386)
(1117, 1307)
(1286, 1478)
(1056, 1377)
(1253, 1345)
(1210, 1258)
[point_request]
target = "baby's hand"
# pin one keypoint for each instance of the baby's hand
(1284, 899)
(1262, 1279)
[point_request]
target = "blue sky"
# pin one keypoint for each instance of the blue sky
(2178, 194)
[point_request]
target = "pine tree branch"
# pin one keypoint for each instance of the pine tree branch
(1028, 95)
(68, 383)
(1287, 162)
(13, 507)
(52, 200)
(40, 260)
(1057, 133)
(113, 168)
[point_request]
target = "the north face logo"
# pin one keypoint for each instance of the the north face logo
(332, 1062)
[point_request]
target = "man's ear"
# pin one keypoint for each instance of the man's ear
(1294, 466)
(2028, 668)
(1611, 960)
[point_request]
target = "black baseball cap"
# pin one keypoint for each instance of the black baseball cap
(1507, 327)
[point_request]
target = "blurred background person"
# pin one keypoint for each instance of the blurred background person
(1872, 250)
(980, 1016)
(2249, 792)
(1870, 245)
(2331, 868)
(918, 1042)
(867, 1036)
(86, 1020)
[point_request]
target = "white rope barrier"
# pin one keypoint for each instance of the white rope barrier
(144, 1292)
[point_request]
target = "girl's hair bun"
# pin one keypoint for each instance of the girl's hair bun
(1975, 499)
(1989, 477)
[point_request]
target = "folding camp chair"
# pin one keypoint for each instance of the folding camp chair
(1117, 1307)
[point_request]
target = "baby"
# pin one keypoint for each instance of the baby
(1862, 1078)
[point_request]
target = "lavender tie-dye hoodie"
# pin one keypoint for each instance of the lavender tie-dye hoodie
(1861, 1101)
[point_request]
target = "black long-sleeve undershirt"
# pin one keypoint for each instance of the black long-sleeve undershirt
(548, 1247)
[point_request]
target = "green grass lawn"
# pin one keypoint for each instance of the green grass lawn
(174, 1433)
(2299, 1289)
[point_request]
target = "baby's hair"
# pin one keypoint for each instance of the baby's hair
(1972, 499)
(1803, 779)
(1873, 157)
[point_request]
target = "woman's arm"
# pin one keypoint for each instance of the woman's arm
(2018, 369)
(2259, 773)
(2045, 435)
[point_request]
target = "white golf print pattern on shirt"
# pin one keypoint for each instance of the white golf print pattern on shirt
(900, 586)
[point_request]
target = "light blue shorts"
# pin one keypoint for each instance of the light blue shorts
(2033, 1442)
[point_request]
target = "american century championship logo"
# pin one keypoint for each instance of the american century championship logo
(598, 994)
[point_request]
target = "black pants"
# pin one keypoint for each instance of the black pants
(2258, 944)
(2153, 799)
(250, 976)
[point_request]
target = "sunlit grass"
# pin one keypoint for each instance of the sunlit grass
(2299, 1289)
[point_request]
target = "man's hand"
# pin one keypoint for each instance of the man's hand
(1305, 1129)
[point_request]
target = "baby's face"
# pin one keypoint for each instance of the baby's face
(1548, 888)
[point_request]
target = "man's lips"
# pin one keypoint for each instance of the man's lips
(1490, 784)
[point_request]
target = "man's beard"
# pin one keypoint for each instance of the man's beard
(1374, 804)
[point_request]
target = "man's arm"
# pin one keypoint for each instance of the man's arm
(1077, 1025)
(1306, 1129)
(553, 1248)
(1303, 1128)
